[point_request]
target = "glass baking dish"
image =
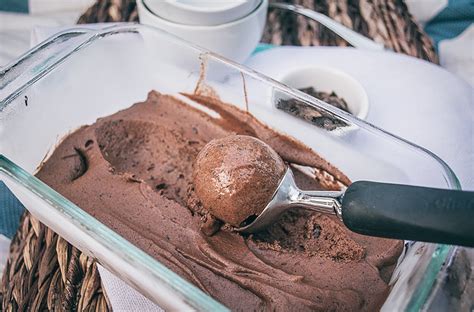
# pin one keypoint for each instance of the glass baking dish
(82, 74)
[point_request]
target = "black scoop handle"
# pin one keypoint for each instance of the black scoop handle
(410, 212)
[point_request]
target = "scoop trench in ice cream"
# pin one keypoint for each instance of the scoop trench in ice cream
(133, 171)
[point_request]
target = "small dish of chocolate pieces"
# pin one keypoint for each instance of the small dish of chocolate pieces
(328, 85)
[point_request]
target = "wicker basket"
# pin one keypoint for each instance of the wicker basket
(46, 272)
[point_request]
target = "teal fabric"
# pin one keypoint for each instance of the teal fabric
(262, 47)
(10, 211)
(20, 6)
(451, 21)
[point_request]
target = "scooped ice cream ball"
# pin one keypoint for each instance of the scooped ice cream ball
(236, 176)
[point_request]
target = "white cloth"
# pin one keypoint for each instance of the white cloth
(4, 249)
(123, 297)
(52, 6)
(16, 29)
(424, 10)
(457, 54)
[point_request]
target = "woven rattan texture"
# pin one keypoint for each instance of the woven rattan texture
(44, 272)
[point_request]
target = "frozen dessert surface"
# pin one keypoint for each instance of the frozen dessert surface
(236, 176)
(133, 171)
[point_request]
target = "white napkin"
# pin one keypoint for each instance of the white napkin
(50, 6)
(123, 297)
(4, 250)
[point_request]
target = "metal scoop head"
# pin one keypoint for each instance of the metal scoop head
(288, 196)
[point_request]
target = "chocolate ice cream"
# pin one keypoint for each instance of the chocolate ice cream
(236, 176)
(133, 172)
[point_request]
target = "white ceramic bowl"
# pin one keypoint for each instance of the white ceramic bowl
(235, 40)
(202, 12)
(327, 80)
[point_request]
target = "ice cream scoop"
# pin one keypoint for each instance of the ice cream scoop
(235, 177)
(370, 208)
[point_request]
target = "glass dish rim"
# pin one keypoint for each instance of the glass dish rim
(93, 34)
